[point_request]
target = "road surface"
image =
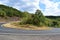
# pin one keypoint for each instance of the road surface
(16, 34)
(4, 30)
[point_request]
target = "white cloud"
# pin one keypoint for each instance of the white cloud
(31, 4)
(51, 8)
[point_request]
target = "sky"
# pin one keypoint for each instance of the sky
(48, 7)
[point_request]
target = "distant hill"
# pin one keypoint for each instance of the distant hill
(53, 17)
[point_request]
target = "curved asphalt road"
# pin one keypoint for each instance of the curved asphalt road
(15, 34)
(6, 31)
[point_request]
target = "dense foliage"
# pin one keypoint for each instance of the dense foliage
(36, 18)
(55, 21)
(39, 19)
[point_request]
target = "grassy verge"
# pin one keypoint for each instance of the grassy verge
(25, 27)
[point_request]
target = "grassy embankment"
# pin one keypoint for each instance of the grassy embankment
(25, 27)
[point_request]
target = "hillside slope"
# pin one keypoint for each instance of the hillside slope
(38, 19)
(9, 11)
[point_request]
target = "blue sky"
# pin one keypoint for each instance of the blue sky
(48, 7)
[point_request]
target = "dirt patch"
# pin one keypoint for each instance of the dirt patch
(9, 19)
